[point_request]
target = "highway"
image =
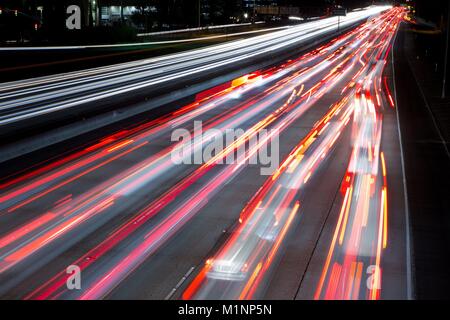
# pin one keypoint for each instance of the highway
(31, 98)
(305, 201)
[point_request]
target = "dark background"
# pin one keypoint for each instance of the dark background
(21, 21)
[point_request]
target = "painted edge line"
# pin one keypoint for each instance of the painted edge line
(409, 262)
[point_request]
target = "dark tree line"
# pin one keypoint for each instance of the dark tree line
(187, 12)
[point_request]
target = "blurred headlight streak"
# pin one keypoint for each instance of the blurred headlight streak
(31, 98)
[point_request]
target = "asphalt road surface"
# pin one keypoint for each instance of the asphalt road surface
(305, 201)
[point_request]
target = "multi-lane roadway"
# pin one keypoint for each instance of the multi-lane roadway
(305, 201)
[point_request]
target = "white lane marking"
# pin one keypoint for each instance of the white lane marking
(186, 275)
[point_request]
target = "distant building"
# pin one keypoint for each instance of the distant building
(252, 3)
(276, 10)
